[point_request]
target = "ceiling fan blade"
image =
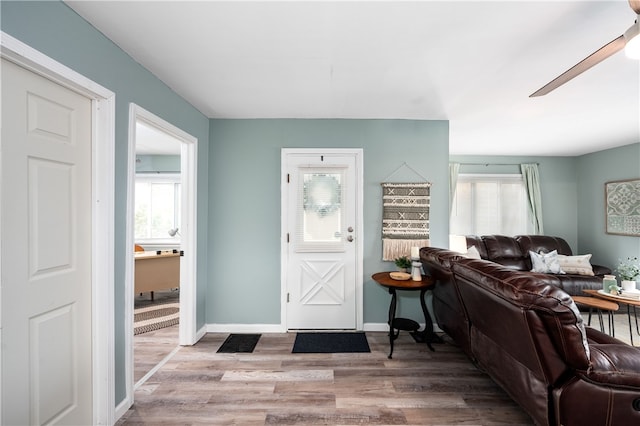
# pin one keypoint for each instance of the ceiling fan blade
(595, 58)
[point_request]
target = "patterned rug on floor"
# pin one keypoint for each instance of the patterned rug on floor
(155, 317)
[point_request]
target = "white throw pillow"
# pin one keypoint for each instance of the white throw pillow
(473, 253)
(546, 263)
(578, 265)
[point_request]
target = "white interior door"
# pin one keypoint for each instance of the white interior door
(322, 256)
(46, 232)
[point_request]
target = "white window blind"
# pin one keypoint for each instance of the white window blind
(490, 204)
(320, 210)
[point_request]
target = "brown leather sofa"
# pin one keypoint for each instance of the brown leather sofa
(524, 331)
(513, 252)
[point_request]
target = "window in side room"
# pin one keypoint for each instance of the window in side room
(157, 208)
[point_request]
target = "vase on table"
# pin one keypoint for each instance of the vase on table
(628, 285)
(608, 283)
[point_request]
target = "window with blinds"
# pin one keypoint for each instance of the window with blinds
(157, 207)
(490, 204)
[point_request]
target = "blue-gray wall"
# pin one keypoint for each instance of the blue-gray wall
(157, 164)
(57, 31)
(244, 206)
(593, 171)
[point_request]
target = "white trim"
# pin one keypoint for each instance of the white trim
(358, 153)
(246, 328)
(383, 326)
(188, 335)
(103, 173)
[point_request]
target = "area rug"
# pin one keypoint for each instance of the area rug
(151, 318)
(333, 342)
(239, 343)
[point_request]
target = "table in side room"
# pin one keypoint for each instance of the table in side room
(425, 336)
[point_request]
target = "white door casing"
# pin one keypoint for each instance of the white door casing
(322, 248)
(100, 259)
(188, 335)
(46, 147)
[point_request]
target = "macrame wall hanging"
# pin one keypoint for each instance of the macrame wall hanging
(405, 216)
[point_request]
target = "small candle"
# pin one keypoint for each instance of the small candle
(415, 252)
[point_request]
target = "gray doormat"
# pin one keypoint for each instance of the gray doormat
(334, 342)
(243, 343)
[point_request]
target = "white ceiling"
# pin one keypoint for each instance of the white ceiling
(472, 63)
(153, 141)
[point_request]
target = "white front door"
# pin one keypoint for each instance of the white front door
(46, 229)
(322, 257)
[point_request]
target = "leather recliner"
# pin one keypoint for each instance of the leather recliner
(523, 330)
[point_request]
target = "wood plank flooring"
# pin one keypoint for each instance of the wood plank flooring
(272, 386)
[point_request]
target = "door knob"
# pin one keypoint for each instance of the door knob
(350, 229)
(350, 238)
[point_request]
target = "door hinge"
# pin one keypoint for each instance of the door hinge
(287, 297)
(288, 177)
(287, 237)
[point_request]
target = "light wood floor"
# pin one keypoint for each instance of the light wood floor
(198, 386)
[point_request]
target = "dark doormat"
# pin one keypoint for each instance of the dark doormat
(334, 342)
(239, 343)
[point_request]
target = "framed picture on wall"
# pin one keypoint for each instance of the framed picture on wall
(622, 201)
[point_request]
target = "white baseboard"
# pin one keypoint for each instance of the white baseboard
(122, 408)
(278, 328)
(200, 333)
(245, 328)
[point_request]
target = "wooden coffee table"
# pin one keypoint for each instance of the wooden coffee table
(600, 305)
(617, 299)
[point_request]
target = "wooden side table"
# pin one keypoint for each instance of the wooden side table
(617, 299)
(396, 324)
(600, 305)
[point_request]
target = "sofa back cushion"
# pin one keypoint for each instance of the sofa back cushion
(476, 241)
(506, 251)
(543, 244)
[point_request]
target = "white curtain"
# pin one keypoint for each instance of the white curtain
(454, 168)
(531, 180)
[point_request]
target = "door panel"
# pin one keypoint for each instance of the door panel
(46, 251)
(321, 254)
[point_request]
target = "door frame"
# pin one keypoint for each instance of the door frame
(188, 233)
(358, 153)
(102, 212)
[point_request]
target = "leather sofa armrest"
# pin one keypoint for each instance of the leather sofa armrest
(614, 365)
(600, 270)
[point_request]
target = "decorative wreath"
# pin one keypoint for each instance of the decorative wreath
(322, 194)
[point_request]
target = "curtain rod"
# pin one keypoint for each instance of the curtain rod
(494, 164)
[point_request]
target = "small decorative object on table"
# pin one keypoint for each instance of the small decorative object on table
(403, 263)
(610, 284)
(628, 270)
(416, 266)
(400, 276)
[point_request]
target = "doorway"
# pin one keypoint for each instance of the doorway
(152, 136)
(322, 240)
